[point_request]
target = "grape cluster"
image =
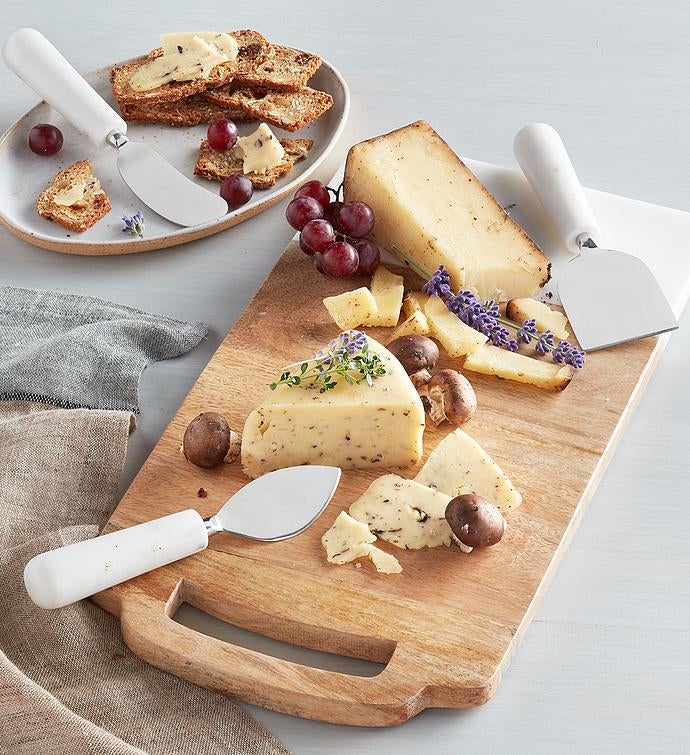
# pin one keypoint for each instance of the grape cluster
(333, 232)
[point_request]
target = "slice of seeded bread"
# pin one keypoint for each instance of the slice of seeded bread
(254, 49)
(286, 69)
(77, 217)
(191, 111)
(287, 110)
(219, 165)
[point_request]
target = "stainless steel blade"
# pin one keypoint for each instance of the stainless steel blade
(278, 505)
(611, 297)
(164, 189)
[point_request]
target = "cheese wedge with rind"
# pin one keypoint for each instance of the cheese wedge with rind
(404, 512)
(490, 360)
(431, 207)
(351, 426)
(459, 465)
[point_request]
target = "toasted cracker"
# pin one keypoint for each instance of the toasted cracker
(191, 111)
(285, 69)
(254, 49)
(287, 110)
(80, 218)
(216, 165)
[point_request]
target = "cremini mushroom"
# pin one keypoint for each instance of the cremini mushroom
(417, 354)
(474, 521)
(451, 398)
(209, 441)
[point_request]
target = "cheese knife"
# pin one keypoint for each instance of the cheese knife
(160, 186)
(610, 297)
(277, 506)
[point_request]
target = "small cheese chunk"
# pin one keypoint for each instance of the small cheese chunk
(348, 539)
(387, 289)
(351, 309)
(260, 151)
(181, 42)
(414, 301)
(490, 360)
(455, 336)
(416, 323)
(352, 426)
(404, 512)
(459, 465)
(71, 196)
(545, 318)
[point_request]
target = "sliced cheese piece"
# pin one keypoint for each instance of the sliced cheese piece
(387, 289)
(416, 323)
(455, 336)
(181, 42)
(348, 539)
(545, 318)
(459, 465)
(404, 512)
(260, 151)
(490, 360)
(350, 426)
(351, 309)
(414, 301)
(429, 205)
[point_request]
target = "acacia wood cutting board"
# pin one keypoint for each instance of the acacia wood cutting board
(447, 626)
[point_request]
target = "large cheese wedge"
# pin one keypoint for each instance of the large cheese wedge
(347, 540)
(490, 360)
(459, 465)
(404, 512)
(350, 426)
(429, 205)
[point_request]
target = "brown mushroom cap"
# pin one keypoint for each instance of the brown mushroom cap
(452, 397)
(414, 352)
(475, 521)
(208, 440)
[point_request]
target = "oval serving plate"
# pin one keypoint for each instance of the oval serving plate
(23, 175)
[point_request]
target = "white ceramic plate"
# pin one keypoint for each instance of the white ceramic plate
(23, 175)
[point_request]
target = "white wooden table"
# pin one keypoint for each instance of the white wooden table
(605, 667)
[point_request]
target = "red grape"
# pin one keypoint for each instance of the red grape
(236, 190)
(301, 210)
(356, 219)
(318, 235)
(318, 257)
(369, 257)
(45, 139)
(304, 247)
(340, 260)
(222, 134)
(316, 190)
(331, 213)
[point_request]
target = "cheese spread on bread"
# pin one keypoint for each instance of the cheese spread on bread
(260, 151)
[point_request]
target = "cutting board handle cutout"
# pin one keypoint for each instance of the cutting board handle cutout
(150, 631)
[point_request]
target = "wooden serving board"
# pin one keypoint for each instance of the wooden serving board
(448, 625)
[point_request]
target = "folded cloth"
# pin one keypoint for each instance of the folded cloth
(68, 683)
(77, 351)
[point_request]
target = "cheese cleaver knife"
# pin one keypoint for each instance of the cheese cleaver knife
(160, 186)
(610, 297)
(277, 506)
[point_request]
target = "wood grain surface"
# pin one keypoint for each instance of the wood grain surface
(448, 625)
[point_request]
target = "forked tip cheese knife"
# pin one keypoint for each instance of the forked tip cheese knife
(277, 506)
(160, 186)
(610, 297)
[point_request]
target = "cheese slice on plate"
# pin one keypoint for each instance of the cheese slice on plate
(429, 205)
(459, 465)
(404, 512)
(350, 426)
(348, 539)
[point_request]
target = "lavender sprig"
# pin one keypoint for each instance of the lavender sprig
(347, 357)
(134, 224)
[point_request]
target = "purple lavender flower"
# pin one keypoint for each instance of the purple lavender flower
(576, 358)
(561, 352)
(528, 329)
(458, 303)
(499, 336)
(485, 323)
(491, 308)
(438, 284)
(134, 225)
(512, 345)
(544, 343)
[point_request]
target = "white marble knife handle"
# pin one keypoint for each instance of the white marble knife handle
(62, 576)
(544, 161)
(34, 59)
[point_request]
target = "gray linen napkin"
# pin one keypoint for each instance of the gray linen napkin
(68, 683)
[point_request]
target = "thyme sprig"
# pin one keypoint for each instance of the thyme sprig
(346, 358)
